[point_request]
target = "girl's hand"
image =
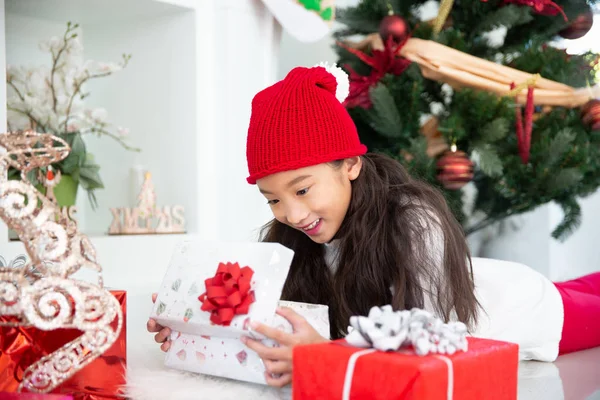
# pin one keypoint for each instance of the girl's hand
(278, 360)
(163, 333)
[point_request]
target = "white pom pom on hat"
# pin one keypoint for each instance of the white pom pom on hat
(341, 77)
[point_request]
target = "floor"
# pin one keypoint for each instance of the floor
(573, 376)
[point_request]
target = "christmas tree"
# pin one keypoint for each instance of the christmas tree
(479, 94)
(147, 198)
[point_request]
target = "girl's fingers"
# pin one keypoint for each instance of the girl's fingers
(152, 326)
(277, 335)
(277, 367)
(268, 353)
(278, 380)
(293, 317)
(163, 335)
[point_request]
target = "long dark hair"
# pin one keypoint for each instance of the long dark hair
(398, 233)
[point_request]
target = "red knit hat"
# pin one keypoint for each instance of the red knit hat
(300, 121)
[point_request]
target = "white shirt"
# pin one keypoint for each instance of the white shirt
(518, 304)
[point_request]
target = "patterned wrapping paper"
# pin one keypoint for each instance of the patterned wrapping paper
(229, 357)
(202, 346)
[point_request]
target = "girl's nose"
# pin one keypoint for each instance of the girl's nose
(297, 214)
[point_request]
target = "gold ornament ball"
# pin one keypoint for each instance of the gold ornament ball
(454, 169)
(590, 114)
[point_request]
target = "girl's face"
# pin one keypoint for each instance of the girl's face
(314, 199)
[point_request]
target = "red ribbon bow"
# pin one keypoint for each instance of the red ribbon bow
(382, 62)
(227, 293)
(524, 128)
(543, 7)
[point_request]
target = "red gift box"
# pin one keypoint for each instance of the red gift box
(336, 370)
(102, 379)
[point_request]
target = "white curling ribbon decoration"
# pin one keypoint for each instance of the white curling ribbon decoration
(387, 330)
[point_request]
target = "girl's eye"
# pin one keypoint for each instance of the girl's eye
(272, 202)
(302, 192)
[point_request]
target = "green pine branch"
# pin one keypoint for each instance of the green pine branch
(489, 160)
(495, 130)
(384, 116)
(509, 16)
(571, 219)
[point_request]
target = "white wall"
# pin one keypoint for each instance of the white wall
(155, 98)
(523, 238)
(246, 55)
(580, 254)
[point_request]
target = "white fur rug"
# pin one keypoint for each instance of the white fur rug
(148, 384)
(148, 379)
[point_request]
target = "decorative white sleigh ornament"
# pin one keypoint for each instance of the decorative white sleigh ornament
(42, 293)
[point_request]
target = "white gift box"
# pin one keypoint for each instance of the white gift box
(199, 345)
(229, 357)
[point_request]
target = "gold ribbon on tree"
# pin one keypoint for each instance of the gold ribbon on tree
(443, 12)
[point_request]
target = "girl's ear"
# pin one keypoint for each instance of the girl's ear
(353, 166)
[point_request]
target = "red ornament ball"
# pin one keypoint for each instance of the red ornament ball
(454, 169)
(590, 114)
(395, 26)
(579, 26)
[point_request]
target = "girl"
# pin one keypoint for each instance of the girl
(366, 234)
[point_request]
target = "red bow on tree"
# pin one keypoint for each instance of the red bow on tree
(542, 7)
(383, 62)
(227, 293)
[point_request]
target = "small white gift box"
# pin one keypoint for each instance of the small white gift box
(203, 274)
(230, 358)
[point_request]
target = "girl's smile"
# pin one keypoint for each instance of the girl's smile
(313, 228)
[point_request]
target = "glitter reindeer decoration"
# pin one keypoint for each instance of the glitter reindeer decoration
(42, 293)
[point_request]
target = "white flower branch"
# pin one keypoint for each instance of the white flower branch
(79, 85)
(101, 131)
(56, 58)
